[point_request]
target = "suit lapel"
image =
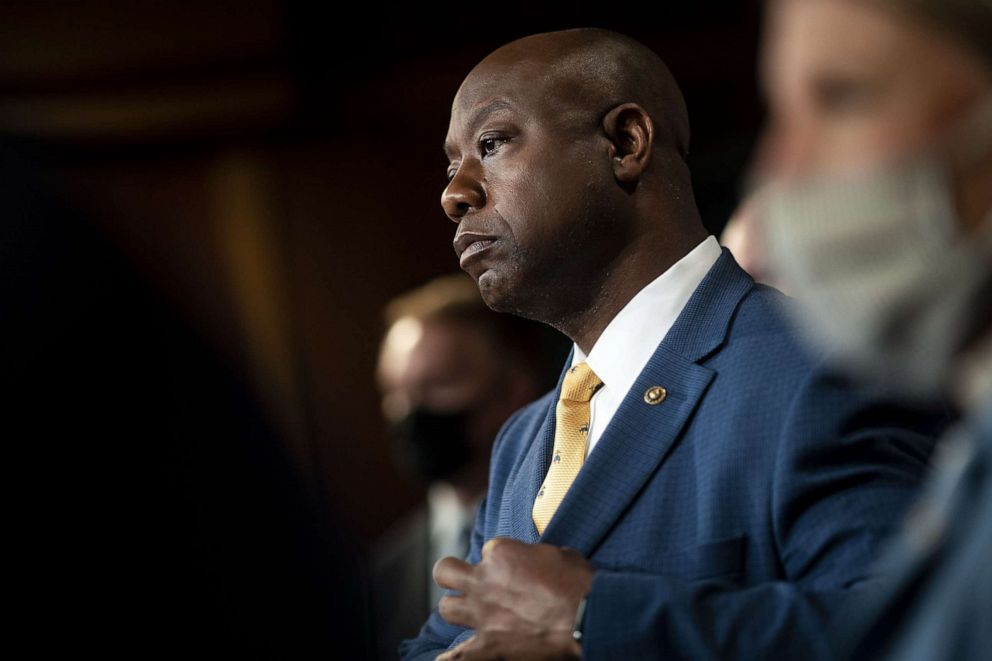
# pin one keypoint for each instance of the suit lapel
(630, 450)
(522, 490)
(641, 434)
(518, 502)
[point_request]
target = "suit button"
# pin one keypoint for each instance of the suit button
(655, 395)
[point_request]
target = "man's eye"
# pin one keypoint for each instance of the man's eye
(491, 145)
(452, 172)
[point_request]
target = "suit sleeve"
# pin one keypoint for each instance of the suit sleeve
(846, 468)
(436, 635)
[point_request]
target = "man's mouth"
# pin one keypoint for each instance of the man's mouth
(466, 245)
(476, 247)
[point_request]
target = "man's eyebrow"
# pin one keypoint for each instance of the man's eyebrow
(482, 114)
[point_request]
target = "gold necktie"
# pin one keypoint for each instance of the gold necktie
(571, 429)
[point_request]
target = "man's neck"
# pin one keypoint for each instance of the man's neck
(632, 272)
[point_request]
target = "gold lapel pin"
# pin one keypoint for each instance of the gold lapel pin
(655, 395)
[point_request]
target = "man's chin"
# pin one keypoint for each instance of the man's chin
(498, 292)
(493, 290)
(503, 295)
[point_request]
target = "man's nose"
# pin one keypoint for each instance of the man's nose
(464, 193)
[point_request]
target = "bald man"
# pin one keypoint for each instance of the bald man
(695, 485)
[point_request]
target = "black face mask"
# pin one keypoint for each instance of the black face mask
(435, 445)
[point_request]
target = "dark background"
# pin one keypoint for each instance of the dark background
(206, 205)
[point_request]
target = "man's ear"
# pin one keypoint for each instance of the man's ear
(631, 134)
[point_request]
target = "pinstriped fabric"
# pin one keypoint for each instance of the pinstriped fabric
(571, 429)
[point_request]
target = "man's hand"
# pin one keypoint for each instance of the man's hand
(521, 599)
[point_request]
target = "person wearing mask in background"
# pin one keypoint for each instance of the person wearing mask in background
(450, 371)
(697, 485)
(740, 237)
(877, 209)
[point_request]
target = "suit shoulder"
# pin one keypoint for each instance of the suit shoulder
(762, 333)
(764, 310)
(765, 347)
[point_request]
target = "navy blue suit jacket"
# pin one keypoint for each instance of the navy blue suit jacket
(731, 519)
(936, 603)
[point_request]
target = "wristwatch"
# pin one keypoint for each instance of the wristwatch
(579, 615)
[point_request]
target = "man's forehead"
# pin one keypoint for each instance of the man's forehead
(524, 91)
(496, 79)
(468, 121)
(484, 106)
(484, 95)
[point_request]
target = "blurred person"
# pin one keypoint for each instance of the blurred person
(878, 210)
(741, 237)
(742, 233)
(697, 485)
(451, 371)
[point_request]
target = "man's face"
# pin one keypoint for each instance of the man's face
(851, 85)
(528, 186)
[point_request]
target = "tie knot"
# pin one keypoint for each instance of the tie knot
(580, 383)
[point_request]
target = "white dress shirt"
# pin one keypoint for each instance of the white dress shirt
(631, 338)
(451, 525)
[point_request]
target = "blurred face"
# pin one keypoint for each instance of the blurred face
(876, 205)
(449, 368)
(437, 366)
(850, 85)
(528, 187)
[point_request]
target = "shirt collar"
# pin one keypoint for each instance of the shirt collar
(633, 335)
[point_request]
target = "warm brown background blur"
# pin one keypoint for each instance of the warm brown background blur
(275, 170)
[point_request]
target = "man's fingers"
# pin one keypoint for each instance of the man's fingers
(455, 611)
(463, 651)
(453, 573)
(488, 547)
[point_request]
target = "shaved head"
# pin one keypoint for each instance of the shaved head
(588, 71)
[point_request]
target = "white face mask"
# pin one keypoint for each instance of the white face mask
(885, 279)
